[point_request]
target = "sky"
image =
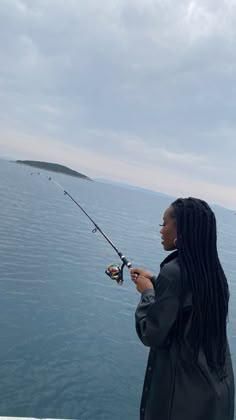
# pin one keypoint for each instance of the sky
(134, 91)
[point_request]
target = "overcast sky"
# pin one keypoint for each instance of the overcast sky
(137, 91)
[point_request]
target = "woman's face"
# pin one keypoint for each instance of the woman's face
(168, 231)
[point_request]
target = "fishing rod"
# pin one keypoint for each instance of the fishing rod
(114, 271)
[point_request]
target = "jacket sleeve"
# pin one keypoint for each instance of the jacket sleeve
(157, 312)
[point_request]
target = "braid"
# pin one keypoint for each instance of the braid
(201, 269)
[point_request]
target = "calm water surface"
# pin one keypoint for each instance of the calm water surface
(68, 342)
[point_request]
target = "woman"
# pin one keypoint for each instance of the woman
(182, 317)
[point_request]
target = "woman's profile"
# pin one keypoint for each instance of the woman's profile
(182, 317)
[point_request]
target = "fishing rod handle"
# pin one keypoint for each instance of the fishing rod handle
(124, 259)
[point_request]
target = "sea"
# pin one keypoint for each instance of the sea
(68, 343)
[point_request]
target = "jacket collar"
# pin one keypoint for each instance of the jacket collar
(169, 258)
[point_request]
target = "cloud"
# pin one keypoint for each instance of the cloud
(147, 85)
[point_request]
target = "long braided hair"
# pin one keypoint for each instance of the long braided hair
(201, 269)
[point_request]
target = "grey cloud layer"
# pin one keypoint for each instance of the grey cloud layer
(143, 80)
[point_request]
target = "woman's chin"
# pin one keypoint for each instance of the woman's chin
(167, 248)
(164, 246)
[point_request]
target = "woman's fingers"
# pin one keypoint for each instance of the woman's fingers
(134, 276)
(135, 272)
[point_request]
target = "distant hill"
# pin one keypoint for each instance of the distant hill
(54, 167)
(214, 206)
(134, 187)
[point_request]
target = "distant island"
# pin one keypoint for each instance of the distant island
(54, 167)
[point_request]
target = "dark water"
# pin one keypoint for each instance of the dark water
(68, 344)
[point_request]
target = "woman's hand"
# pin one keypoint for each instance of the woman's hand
(141, 278)
(135, 272)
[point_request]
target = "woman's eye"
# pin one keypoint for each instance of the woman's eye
(161, 225)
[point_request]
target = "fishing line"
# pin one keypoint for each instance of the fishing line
(114, 271)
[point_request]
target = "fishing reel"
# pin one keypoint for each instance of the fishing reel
(115, 272)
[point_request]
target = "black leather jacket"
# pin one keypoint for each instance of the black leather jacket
(175, 387)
